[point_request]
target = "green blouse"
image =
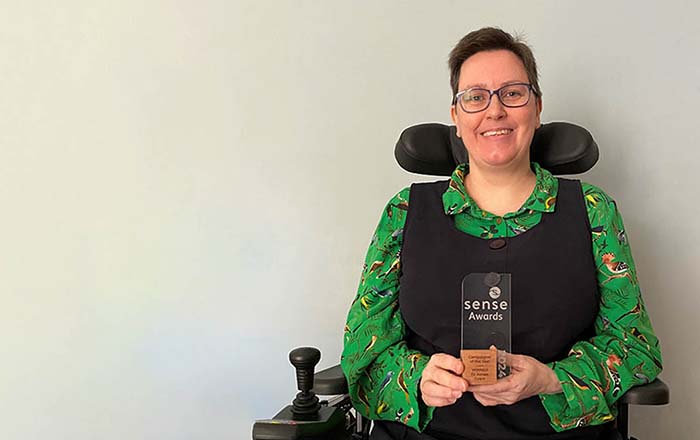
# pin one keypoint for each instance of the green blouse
(383, 373)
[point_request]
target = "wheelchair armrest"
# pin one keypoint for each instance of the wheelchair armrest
(330, 382)
(654, 393)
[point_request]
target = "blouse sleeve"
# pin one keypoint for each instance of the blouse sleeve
(383, 374)
(625, 351)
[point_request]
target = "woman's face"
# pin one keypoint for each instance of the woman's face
(498, 137)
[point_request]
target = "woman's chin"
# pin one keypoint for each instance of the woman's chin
(503, 156)
(501, 161)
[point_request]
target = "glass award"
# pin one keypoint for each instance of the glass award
(486, 334)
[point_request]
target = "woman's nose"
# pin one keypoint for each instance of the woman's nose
(495, 109)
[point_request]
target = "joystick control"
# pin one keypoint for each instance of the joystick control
(305, 406)
(305, 418)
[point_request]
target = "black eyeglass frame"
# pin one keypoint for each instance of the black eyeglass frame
(530, 91)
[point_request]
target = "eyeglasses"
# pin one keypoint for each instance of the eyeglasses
(476, 99)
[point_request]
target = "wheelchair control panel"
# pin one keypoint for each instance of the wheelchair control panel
(306, 417)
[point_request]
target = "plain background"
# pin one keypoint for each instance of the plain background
(187, 190)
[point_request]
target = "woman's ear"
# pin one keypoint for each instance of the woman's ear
(453, 114)
(539, 111)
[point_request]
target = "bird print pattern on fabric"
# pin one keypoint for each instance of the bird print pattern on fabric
(384, 374)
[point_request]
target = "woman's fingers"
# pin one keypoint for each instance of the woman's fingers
(447, 379)
(447, 362)
(502, 385)
(440, 383)
(432, 389)
(517, 362)
(445, 370)
(438, 395)
(496, 399)
(484, 399)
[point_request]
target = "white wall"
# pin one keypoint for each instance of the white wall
(187, 190)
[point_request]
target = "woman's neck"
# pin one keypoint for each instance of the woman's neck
(500, 191)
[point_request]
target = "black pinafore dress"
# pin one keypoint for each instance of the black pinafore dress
(554, 294)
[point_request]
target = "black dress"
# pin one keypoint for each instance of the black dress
(554, 304)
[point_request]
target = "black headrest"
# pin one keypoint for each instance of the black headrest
(435, 149)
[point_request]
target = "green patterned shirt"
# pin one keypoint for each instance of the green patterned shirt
(383, 373)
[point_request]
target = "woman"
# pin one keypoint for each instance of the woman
(581, 336)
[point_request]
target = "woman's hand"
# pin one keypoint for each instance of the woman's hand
(441, 383)
(528, 377)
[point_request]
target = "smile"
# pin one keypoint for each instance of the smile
(500, 132)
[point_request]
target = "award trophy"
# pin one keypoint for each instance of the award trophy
(486, 335)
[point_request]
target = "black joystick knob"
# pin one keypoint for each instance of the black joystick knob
(305, 406)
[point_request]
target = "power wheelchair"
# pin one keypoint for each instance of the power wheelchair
(433, 149)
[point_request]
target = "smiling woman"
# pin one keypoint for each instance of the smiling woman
(497, 132)
(580, 333)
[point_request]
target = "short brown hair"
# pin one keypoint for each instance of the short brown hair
(490, 38)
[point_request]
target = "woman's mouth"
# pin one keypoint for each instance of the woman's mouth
(498, 132)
